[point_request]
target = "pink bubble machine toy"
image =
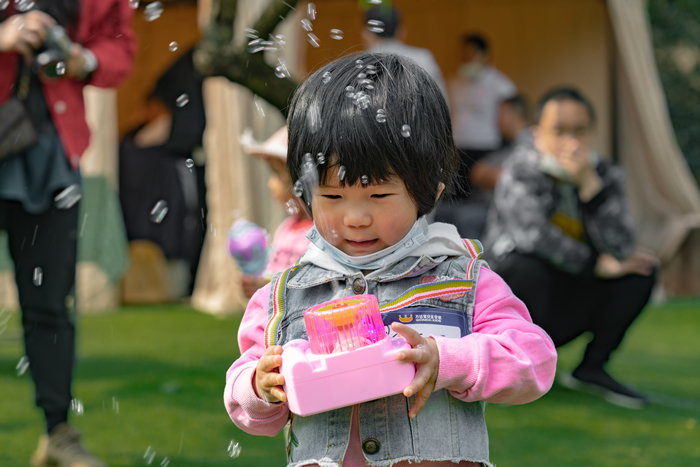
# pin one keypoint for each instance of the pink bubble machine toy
(347, 360)
(248, 243)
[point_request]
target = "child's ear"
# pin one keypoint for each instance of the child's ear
(441, 187)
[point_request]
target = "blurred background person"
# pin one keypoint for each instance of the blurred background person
(155, 166)
(513, 123)
(391, 40)
(562, 237)
(96, 46)
(289, 241)
(475, 95)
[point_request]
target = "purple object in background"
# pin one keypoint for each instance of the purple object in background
(248, 244)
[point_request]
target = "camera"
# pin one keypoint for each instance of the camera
(53, 53)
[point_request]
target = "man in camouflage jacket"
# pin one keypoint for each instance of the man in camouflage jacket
(561, 234)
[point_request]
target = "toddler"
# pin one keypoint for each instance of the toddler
(380, 135)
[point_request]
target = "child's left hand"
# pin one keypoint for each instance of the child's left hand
(425, 354)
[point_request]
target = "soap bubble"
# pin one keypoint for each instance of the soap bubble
(280, 39)
(60, 107)
(313, 40)
(234, 449)
(381, 116)
(153, 11)
(189, 163)
(258, 105)
(336, 34)
(24, 5)
(376, 26)
(160, 209)
(67, 198)
(173, 46)
(255, 46)
(182, 100)
(306, 25)
(364, 179)
(298, 189)
(149, 455)
(291, 208)
(76, 406)
(38, 276)
(22, 366)
(60, 69)
(350, 91)
(311, 11)
(281, 70)
(359, 63)
(405, 131)
(134, 4)
(327, 77)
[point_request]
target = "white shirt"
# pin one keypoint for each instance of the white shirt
(474, 106)
(423, 57)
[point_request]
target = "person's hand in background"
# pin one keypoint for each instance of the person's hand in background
(642, 262)
(24, 33)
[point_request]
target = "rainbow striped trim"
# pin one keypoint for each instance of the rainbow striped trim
(277, 306)
(425, 291)
(474, 247)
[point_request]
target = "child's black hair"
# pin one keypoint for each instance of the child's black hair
(326, 117)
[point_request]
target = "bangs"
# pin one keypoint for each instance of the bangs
(376, 115)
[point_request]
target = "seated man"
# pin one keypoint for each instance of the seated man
(561, 235)
(515, 130)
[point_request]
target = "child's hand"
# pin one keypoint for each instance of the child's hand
(268, 381)
(425, 354)
(251, 284)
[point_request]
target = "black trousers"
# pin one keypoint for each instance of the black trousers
(567, 305)
(47, 241)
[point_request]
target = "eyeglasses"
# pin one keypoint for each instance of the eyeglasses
(578, 132)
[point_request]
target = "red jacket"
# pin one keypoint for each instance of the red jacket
(104, 28)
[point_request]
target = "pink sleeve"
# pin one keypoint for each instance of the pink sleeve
(250, 413)
(507, 359)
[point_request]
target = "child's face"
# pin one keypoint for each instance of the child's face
(279, 183)
(363, 219)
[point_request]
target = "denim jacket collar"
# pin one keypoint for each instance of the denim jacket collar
(309, 275)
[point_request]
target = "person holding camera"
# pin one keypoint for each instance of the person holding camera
(49, 51)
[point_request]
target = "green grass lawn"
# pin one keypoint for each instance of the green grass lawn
(165, 367)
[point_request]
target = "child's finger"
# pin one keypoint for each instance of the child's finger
(420, 380)
(411, 336)
(418, 354)
(278, 392)
(421, 399)
(271, 380)
(269, 363)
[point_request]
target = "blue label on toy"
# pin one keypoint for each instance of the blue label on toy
(426, 321)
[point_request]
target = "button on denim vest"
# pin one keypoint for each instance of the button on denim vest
(446, 428)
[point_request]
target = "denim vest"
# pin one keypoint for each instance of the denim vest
(446, 428)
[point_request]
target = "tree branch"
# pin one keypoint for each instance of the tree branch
(276, 11)
(216, 54)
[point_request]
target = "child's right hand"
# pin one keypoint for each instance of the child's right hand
(268, 381)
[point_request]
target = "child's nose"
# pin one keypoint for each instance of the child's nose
(356, 217)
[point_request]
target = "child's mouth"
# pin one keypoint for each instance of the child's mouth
(360, 245)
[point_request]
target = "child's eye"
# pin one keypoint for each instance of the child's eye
(331, 196)
(381, 195)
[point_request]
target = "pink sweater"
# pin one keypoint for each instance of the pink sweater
(506, 360)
